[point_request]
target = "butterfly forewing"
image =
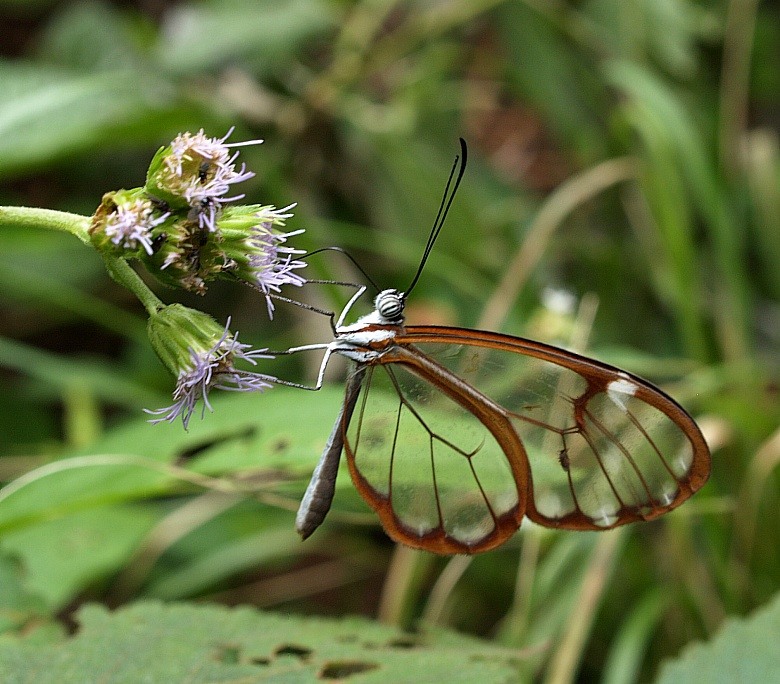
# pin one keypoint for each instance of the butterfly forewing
(434, 472)
(605, 447)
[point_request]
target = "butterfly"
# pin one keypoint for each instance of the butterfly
(454, 435)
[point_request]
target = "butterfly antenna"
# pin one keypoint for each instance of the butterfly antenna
(444, 207)
(349, 256)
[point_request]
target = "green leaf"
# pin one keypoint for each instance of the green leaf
(251, 551)
(558, 79)
(62, 557)
(675, 265)
(631, 642)
(51, 113)
(17, 603)
(284, 428)
(208, 35)
(281, 433)
(65, 374)
(153, 642)
(661, 104)
(745, 650)
(91, 35)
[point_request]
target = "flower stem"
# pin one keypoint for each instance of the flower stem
(31, 217)
(123, 273)
(119, 269)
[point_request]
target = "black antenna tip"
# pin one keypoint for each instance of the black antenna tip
(446, 201)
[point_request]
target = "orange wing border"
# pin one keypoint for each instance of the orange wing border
(598, 375)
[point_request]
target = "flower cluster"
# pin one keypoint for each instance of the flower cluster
(184, 227)
(180, 224)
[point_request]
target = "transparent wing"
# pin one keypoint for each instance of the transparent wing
(605, 447)
(436, 474)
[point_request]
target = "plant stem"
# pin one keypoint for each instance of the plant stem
(119, 269)
(123, 273)
(31, 217)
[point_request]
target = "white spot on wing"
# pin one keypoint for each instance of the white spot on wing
(471, 535)
(504, 501)
(424, 528)
(670, 491)
(605, 518)
(618, 390)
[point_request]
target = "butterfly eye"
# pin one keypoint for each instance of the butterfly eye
(390, 305)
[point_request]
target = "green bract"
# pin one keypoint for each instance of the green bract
(177, 332)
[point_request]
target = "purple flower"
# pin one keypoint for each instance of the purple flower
(198, 368)
(131, 225)
(200, 170)
(256, 252)
(271, 263)
(123, 223)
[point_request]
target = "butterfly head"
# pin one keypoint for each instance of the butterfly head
(389, 305)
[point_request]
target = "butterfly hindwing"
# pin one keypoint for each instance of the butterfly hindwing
(435, 473)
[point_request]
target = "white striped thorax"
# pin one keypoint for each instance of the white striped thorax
(381, 325)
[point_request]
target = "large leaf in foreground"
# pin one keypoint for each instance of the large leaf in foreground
(745, 650)
(276, 437)
(152, 642)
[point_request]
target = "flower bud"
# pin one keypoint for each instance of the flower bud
(245, 245)
(201, 354)
(176, 331)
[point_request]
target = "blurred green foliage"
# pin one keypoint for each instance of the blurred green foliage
(624, 152)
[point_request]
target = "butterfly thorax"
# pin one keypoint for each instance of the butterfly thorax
(373, 333)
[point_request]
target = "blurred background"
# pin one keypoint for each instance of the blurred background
(622, 196)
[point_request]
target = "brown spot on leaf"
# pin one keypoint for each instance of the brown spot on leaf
(341, 669)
